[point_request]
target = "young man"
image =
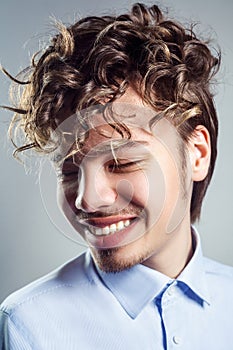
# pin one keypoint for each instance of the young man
(123, 107)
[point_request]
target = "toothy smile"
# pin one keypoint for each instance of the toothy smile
(109, 229)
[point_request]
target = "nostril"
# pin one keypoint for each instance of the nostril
(82, 204)
(92, 199)
(78, 202)
(95, 190)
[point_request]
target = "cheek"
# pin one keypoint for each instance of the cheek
(173, 197)
(66, 199)
(135, 188)
(157, 188)
(141, 191)
(149, 188)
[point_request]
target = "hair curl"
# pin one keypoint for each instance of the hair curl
(98, 57)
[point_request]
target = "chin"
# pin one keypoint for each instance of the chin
(118, 259)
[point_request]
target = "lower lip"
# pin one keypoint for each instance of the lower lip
(117, 239)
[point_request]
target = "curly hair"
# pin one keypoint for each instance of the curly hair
(98, 57)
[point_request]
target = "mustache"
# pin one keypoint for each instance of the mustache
(129, 210)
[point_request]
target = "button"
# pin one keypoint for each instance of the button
(176, 339)
(171, 290)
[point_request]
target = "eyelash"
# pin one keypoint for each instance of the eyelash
(66, 175)
(113, 166)
(117, 166)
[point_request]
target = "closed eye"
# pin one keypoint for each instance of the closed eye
(68, 173)
(122, 166)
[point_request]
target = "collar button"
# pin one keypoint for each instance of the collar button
(171, 290)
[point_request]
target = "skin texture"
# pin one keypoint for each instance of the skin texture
(151, 184)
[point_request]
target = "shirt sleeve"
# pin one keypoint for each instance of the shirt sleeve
(10, 337)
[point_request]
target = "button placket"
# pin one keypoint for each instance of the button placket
(171, 290)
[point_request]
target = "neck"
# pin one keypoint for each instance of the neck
(178, 252)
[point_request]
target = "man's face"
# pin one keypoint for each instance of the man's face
(128, 198)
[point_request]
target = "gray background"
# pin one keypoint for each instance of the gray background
(30, 244)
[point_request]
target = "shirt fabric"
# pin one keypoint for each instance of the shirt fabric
(79, 307)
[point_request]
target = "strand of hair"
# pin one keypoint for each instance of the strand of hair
(13, 78)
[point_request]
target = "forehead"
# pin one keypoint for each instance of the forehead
(106, 125)
(128, 108)
(102, 124)
(105, 139)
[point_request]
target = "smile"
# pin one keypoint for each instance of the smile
(109, 229)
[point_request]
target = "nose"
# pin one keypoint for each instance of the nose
(96, 190)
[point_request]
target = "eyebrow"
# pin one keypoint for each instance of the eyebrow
(104, 148)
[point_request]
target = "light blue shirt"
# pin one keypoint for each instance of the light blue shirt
(78, 307)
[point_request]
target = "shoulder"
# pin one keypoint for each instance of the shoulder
(76, 274)
(214, 267)
(219, 274)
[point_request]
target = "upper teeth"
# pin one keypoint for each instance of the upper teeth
(120, 225)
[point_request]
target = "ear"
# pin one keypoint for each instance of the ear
(200, 151)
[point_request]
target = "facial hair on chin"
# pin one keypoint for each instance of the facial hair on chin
(108, 261)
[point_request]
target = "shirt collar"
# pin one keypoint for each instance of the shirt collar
(194, 273)
(136, 287)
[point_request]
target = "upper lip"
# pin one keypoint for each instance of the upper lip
(106, 221)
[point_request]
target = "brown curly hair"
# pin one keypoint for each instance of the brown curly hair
(98, 57)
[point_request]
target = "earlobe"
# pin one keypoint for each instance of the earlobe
(200, 149)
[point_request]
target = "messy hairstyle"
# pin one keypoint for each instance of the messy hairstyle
(98, 57)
